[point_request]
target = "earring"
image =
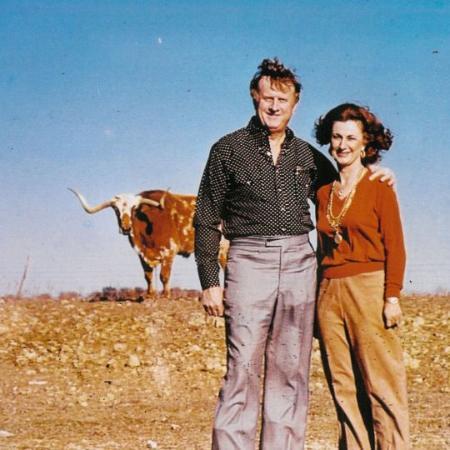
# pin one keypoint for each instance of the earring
(363, 153)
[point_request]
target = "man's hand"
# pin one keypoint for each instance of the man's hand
(212, 301)
(384, 174)
(392, 313)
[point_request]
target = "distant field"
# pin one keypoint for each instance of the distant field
(103, 375)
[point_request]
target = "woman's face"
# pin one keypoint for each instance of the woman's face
(347, 142)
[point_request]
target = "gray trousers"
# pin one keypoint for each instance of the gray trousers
(269, 311)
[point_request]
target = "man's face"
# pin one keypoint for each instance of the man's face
(275, 105)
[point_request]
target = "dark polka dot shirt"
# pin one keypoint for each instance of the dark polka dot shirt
(246, 194)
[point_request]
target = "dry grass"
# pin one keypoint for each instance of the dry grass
(83, 375)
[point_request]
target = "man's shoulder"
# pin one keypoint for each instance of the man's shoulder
(232, 142)
(307, 154)
(233, 137)
(302, 144)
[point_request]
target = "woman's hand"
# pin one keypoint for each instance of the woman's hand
(392, 312)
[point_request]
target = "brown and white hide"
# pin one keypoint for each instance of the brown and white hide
(159, 226)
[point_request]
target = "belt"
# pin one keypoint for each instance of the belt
(270, 241)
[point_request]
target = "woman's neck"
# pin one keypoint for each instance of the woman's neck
(348, 174)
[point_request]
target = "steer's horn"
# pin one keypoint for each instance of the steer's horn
(163, 198)
(149, 201)
(91, 209)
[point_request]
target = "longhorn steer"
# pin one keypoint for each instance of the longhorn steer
(159, 227)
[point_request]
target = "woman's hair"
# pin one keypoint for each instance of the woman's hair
(280, 76)
(378, 138)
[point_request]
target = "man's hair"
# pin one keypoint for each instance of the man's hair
(280, 76)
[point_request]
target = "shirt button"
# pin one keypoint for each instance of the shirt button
(279, 189)
(283, 208)
(268, 153)
(283, 229)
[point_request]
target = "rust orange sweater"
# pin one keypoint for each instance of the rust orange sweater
(372, 232)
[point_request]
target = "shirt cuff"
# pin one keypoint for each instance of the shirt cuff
(209, 276)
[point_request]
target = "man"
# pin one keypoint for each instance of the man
(255, 188)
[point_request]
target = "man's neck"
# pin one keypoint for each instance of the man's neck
(277, 136)
(276, 140)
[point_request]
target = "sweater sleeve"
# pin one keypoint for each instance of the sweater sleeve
(392, 236)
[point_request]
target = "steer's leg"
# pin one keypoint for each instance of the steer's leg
(164, 276)
(148, 273)
(223, 252)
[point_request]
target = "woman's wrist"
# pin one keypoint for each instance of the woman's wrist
(392, 300)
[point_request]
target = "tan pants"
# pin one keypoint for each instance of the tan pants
(363, 363)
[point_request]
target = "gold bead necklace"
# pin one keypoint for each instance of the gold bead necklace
(335, 221)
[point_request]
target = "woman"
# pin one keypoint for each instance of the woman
(362, 258)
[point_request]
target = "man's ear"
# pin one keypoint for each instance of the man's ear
(295, 106)
(255, 97)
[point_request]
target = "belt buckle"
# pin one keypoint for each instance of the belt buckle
(272, 242)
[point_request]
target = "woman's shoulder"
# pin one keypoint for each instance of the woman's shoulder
(380, 191)
(324, 191)
(381, 187)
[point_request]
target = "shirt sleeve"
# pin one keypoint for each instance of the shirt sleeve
(392, 235)
(326, 172)
(208, 217)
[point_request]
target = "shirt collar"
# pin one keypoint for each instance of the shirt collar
(256, 127)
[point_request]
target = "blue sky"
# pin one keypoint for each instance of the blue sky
(124, 96)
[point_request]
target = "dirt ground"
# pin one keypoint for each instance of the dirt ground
(102, 375)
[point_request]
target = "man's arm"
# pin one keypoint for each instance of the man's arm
(207, 220)
(326, 171)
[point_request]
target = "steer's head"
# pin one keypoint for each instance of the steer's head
(123, 205)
